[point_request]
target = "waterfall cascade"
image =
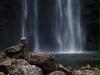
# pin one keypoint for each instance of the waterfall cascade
(35, 29)
(68, 28)
(68, 31)
(24, 17)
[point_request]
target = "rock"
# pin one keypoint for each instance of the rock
(88, 67)
(85, 72)
(82, 68)
(96, 70)
(16, 64)
(4, 66)
(77, 72)
(45, 61)
(27, 70)
(19, 50)
(1, 73)
(21, 62)
(2, 56)
(10, 64)
(14, 51)
(66, 70)
(57, 73)
(89, 72)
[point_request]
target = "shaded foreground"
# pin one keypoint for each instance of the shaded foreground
(16, 60)
(38, 64)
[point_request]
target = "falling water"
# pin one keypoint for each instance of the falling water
(68, 28)
(24, 17)
(35, 29)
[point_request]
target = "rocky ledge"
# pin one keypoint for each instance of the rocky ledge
(17, 60)
(38, 64)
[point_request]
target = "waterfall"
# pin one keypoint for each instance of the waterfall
(35, 29)
(24, 17)
(68, 28)
(35, 22)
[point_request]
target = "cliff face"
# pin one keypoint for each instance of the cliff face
(90, 20)
(10, 21)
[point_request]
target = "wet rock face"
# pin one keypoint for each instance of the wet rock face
(45, 61)
(57, 73)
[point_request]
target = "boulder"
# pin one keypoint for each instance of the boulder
(4, 65)
(10, 64)
(45, 61)
(85, 72)
(88, 67)
(21, 62)
(97, 72)
(57, 73)
(2, 56)
(27, 70)
(14, 51)
(18, 51)
(66, 70)
(16, 64)
(1, 73)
